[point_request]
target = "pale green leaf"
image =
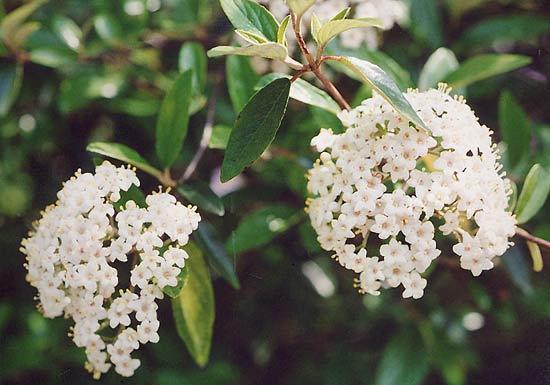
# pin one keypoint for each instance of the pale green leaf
(299, 6)
(342, 14)
(252, 38)
(440, 64)
(273, 51)
(533, 194)
(333, 28)
(536, 256)
(281, 32)
(13, 21)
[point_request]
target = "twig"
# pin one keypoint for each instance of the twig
(529, 237)
(206, 134)
(331, 89)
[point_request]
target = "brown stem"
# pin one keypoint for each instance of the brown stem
(529, 237)
(331, 89)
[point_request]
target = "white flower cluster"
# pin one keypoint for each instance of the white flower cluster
(389, 11)
(404, 184)
(77, 248)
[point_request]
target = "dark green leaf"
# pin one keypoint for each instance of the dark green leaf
(193, 57)
(260, 227)
(516, 265)
(484, 66)
(426, 23)
(175, 291)
(241, 80)
(255, 127)
(210, 243)
(194, 309)
(135, 194)
(515, 128)
(173, 119)
(440, 64)
(404, 360)
(376, 78)
(533, 194)
(125, 154)
(304, 92)
(251, 16)
(198, 193)
(11, 76)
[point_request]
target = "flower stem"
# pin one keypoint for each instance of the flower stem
(530, 237)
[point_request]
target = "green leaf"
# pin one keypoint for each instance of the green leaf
(255, 127)
(273, 51)
(193, 57)
(13, 21)
(251, 16)
(516, 266)
(304, 92)
(333, 28)
(194, 309)
(440, 64)
(315, 26)
(281, 32)
(109, 29)
(373, 75)
(260, 227)
(54, 56)
(515, 128)
(24, 32)
(173, 119)
(219, 137)
(404, 360)
(513, 199)
(533, 194)
(133, 194)
(214, 249)
(508, 28)
(125, 154)
(536, 256)
(11, 76)
(484, 66)
(426, 22)
(198, 193)
(299, 6)
(67, 31)
(241, 80)
(342, 14)
(175, 291)
(252, 38)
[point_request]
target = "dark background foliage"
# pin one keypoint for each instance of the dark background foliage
(277, 329)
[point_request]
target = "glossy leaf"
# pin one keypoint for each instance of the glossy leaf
(484, 66)
(13, 21)
(193, 57)
(274, 51)
(241, 79)
(304, 92)
(214, 249)
(533, 194)
(125, 154)
(194, 309)
(198, 193)
(11, 76)
(333, 28)
(173, 119)
(299, 6)
(440, 64)
(260, 227)
(175, 291)
(255, 127)
(68, 31)
(404, 360)
(251, 16)
(515, 128)
(373, 75)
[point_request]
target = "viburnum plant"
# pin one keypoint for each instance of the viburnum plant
(411, 175)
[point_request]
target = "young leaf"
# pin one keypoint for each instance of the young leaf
(342, 14)
(515, 128)
(376, 78)
(198, 193)
(300, 6)
(175, 291)
(260, 227)
(440, 64)
(274, 51)
(11, 76)
(173, 119)
(250, 37)
(255, 127)
(13, 21)
(193, 309)
(315, 27)
(241, 79)
(125, 154)
(192, 57)
(281, 37)
(536, 256)
(533, 194)
(404, 360)
(210, 243)
(335, 27)
(484, 66)
(250, 16)
(304, 92)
